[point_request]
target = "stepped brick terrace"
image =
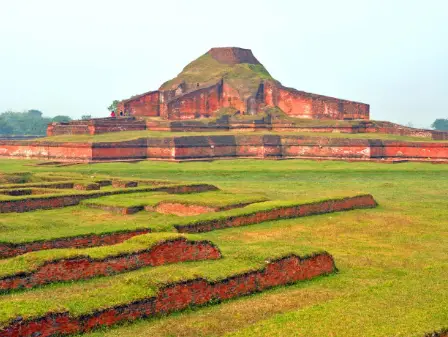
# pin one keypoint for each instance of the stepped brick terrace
(228, 91)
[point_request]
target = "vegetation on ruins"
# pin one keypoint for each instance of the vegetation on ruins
(33, 260)
(207, 71)
(113, 105)
(389, 258)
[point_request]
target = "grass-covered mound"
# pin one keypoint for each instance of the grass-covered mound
(206, 70)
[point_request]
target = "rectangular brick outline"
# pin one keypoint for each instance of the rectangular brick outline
(282, 212)
(68, 269)
(178, 296)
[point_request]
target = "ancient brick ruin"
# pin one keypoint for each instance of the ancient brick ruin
(186, 98)
(228, 89)
(135, 249)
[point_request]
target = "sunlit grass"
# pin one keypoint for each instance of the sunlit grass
(392, 260)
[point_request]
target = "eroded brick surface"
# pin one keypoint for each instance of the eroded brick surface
(178, 296)
(10, 250)
(173, 251)
(364, 201)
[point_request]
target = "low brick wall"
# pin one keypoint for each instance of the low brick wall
(96, 126)
(78, 268)
(46, 150)
(82, 241)
(321, 207)
(57, 201)
(116, 209)
(178, 296)
(209, 147)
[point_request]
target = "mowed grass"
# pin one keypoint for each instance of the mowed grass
(392, 260)
(131, 135)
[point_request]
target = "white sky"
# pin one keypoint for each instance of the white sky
(75, 57)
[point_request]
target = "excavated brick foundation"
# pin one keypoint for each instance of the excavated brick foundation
(327, 206)
(181, 209)
(93, 240)
(210, 147)
(178, 296)
(57, 201)
(78, 268)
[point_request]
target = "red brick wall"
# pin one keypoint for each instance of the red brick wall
(56, 201)
(188, 148)
(231, 98)
(78, 268)
(93, 240)
(178, 296)
(409, 150)
(327, 206)
(199, 103)
(44, 150)
(233, 55)
(301, 104)
(143, 105)
(126, 150)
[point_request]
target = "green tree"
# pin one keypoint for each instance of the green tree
(61, 119)
(35, 113)
(440, 124)
(86, 117)
(113, 106)
(28, 122)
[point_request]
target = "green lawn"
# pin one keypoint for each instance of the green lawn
(392, 260)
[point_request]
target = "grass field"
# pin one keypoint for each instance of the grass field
(392, 260)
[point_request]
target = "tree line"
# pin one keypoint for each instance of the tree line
(27, 123)
(440, 124)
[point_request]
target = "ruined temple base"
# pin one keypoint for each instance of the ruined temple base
(213, 147)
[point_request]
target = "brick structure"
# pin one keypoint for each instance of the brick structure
(82, 241)
(82, 268)
(95, 126)
(228, 146)
(288, 212)
(188, 99)
(178, 296)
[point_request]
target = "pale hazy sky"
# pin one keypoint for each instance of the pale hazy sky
(75, 57)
